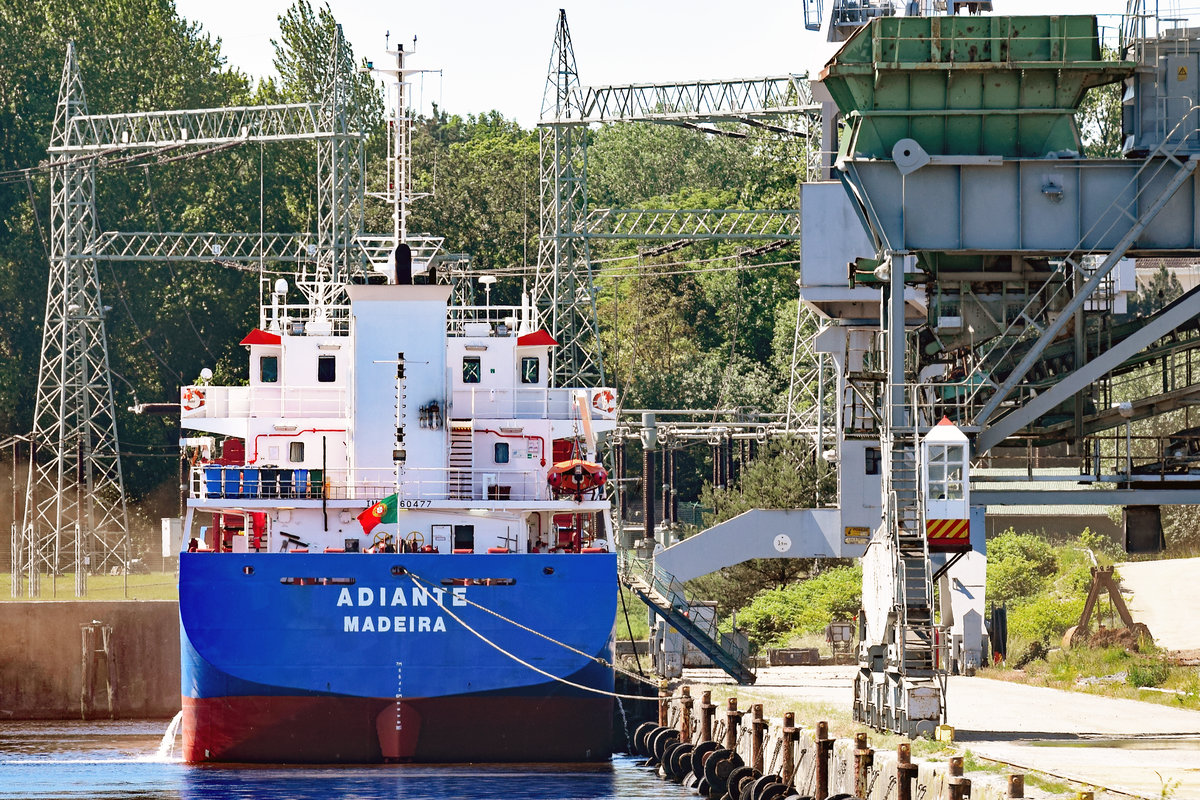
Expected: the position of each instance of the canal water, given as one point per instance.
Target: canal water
(124, 761)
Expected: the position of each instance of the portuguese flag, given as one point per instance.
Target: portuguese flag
(383, 511)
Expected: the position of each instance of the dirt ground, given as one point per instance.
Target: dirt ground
(1165, 596)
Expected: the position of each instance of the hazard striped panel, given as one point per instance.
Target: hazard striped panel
(948, 534)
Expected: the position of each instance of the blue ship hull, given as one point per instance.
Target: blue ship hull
(357, 658)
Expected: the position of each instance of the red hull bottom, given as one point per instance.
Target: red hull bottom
(369, 730)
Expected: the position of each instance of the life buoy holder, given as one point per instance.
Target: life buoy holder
(193, 398)
(604, 401)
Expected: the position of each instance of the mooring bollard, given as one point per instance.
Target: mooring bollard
(733, 718)
(685, 714)
(707, 710)
(824, 754)
(864, 757)
(1016, 786)
(906, 772)
(959, 787)
(758, 727)
(664, 700)
(787, 773)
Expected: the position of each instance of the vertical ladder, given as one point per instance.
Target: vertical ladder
(462, 460)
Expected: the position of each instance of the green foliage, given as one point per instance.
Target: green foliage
(632, 623)
(1044, 617)
(776, 615)
(1019, 566)
(1162, 289)
(1099, 117)
(784, 476)
(482, 176)
(1147, 672)
(1101, 545)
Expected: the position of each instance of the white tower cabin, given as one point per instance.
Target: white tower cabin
(945, 462)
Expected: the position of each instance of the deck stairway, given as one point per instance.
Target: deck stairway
(665, 597)
(462, 459)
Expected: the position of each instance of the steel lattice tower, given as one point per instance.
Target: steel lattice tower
(564, 288)
(75, 500)
(340, 180)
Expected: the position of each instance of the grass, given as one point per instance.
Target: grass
(1111, 672)
(156, 586)
(972, 763)
(639, 621)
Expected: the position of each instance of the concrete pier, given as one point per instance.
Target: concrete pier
(90, 660)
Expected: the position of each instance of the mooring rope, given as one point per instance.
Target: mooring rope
(419, 581)
(627, 673)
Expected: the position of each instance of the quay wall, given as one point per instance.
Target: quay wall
(51, 668)
(932, 779)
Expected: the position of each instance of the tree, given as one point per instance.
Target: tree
(1099, 117)
(786, 476)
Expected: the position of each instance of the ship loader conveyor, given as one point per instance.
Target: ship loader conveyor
(664, 596)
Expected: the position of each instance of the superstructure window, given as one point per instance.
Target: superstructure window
(326, 369)
(472, 371)
(874, 459)
(530, 370)
(268, 369)
(296, 452)
(501, 452)
(464, 537)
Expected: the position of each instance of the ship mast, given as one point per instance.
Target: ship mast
(399, 192)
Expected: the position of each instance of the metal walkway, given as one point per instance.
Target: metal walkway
(665, 597)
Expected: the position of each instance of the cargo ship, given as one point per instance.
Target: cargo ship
(394, 535)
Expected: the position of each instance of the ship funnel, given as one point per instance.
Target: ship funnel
(404, 264)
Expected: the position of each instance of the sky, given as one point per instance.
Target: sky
(493, 54)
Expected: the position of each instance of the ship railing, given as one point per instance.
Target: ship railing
(473, 484)
(223, 402)
(302, 319)
(486, 320)
(254, 482)
(531, 403)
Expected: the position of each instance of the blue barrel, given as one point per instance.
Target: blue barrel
(212, 481)
(233, 481)
(249, 482)
(302, 483)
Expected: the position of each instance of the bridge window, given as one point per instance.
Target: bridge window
(472, 372)
(946, 472)
(268, 369)
(326, 369)
(530, 370)
(296, 452)
(874, 460)
(501, 452)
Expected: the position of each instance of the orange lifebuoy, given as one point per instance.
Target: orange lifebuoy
(193, 398)
(604, 401)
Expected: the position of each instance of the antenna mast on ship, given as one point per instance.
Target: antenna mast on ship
(399, 192)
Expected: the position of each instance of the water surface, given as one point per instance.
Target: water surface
(122, 761)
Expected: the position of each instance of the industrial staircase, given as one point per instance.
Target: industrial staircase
(915, 643)
(665, 597)
(462, 460)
